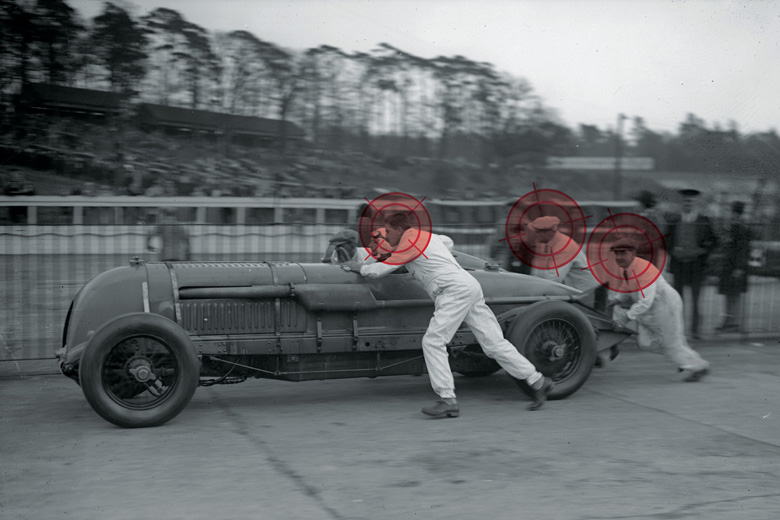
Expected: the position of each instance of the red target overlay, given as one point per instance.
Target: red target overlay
(374, 235)
(650, 251)
(564, 235)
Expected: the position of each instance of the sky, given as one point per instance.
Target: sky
(589, 60)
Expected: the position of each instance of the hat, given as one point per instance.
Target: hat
(623, 244)
(544, 223)
(646, 198)
(345, 236)
(689, 192)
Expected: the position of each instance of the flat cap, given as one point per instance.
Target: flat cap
(544, 223)
(346, 235)
(623, 244)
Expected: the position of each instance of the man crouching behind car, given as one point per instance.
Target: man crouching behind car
(657, 309)
(457, 297)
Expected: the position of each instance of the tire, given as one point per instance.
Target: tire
(139, 370)
(473, 362)
(560, 341)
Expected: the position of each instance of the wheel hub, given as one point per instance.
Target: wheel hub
(141, 369)
(553, 350)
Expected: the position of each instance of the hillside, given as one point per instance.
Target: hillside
(71, 155)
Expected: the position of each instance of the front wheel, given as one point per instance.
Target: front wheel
(559, 340)
(139, 370)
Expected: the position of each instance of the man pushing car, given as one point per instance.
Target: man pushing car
(644, 295)
(457, 298)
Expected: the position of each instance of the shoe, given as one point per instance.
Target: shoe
(697, 375)
(540, 395)
(442, 408)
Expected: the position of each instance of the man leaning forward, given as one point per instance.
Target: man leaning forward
(457, 298)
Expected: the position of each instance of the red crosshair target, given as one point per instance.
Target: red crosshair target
(528, 246)
(373, 233)
(650, 246)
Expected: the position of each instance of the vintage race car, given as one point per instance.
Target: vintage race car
(140, 338)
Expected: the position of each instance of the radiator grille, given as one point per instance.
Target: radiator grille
(240, 317)
(200, 265)
(228, 317)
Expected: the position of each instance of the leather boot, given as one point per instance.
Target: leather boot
(442, 408)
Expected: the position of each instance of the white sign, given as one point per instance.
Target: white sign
(600, 163)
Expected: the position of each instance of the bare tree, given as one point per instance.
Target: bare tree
(183, 61)
(18, 39)
(326, 74)
(119, 44)
(245, 77)
(56, 29)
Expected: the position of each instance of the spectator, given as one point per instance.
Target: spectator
(691, 240)
(155, 190)
(105, 191)
(174, 237)
(89, 189)
(734, 267)
(515, 255)
(650, 209)
(169, 188)
(651, 212)
(15, 187)
(511, 254)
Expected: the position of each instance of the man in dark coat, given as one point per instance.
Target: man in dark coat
(691, 239)
(734, 267)
(174, 237)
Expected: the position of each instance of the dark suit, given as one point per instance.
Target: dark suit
(736, 256)
(688, 265)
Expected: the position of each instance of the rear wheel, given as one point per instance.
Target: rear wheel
(559, 340)
(139, 370)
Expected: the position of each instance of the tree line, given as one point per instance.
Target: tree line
(388, 98)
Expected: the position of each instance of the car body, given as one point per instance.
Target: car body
(140, 338)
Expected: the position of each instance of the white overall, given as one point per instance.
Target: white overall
(658, 310)
(457, 298)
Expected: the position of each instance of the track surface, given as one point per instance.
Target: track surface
(634, 442)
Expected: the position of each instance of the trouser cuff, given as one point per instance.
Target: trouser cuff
(533, 378)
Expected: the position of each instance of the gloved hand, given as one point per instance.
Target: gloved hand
(352, 265)
(620, 318)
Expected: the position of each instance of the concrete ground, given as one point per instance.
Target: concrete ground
(634, 442)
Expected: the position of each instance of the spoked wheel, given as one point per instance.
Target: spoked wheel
(139, 370)
(560, 342)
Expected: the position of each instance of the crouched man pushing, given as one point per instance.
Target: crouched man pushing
(457, 297)
(643, 295)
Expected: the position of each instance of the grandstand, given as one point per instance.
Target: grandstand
(106, 144)
(71, 140)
